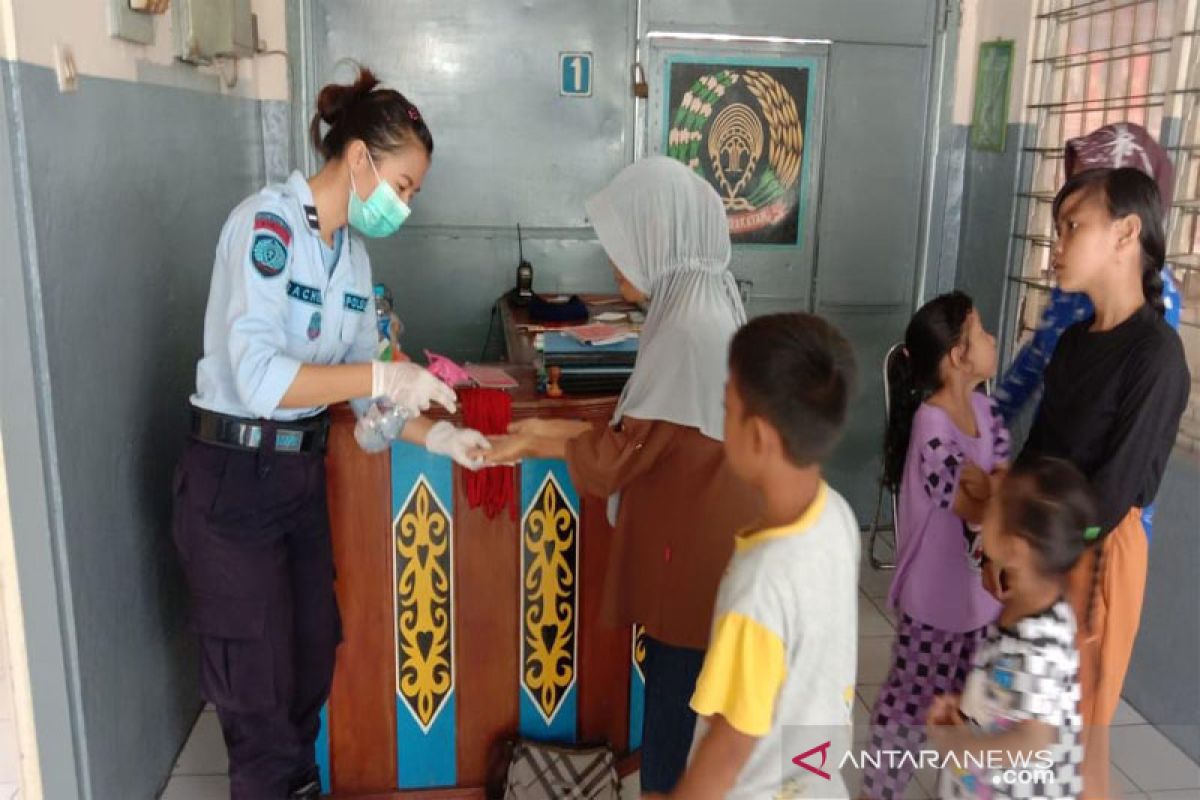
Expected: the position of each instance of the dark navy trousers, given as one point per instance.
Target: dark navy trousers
(669, 724)
(252, 528)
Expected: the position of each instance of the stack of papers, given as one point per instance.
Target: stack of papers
(491, 377)
(599, 334)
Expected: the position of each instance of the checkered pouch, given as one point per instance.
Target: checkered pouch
(540, 771)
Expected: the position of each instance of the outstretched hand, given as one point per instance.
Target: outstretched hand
(529, 427)
(506, 450)
(549, 428)
(465, 446)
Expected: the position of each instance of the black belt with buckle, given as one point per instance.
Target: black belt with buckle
(298, 436)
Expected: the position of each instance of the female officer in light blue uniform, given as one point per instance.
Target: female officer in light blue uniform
(290, 329)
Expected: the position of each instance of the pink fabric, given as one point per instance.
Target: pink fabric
(1123, 144)
(446, 370)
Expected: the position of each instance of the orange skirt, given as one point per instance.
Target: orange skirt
(1106, 638)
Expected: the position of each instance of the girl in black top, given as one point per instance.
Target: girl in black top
(1114, 392)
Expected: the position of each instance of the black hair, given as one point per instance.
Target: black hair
(1129, 191)
(797, 372)
(914, 373)
(1050, 504)
(383, 119)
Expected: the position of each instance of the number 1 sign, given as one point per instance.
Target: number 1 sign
(575, 74)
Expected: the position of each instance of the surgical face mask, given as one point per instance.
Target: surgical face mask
(379, 215)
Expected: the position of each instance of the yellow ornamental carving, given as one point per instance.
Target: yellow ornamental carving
(550, 539)
(735, 144)
(639, 648)
(422, 565)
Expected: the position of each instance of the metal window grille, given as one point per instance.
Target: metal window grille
(1097, 62)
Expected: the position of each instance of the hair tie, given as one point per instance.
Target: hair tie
(1090, 534)
(414, 114)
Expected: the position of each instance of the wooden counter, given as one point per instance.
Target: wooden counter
(462, 632)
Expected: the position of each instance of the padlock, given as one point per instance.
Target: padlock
(641, 89)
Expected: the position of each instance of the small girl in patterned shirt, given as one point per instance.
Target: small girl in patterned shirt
(1016, 730)
(943, 439)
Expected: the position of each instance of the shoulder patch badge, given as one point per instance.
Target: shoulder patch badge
(272, 237)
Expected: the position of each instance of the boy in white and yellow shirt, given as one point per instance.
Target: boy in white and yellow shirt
(783, 649)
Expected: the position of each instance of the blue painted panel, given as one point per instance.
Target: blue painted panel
(549, 547)
(323, 750)
(426, 723)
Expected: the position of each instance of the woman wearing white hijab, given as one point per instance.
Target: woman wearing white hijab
(673, 501)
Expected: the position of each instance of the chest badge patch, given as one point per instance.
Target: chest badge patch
(314, 326)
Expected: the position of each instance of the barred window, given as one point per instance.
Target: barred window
(1096, 62)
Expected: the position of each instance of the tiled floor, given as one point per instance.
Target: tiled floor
(1146, 765)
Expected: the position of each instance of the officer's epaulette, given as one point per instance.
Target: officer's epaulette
(310, 214)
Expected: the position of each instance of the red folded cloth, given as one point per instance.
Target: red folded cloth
(489, 411)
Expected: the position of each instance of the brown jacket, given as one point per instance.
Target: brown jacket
(680, 508)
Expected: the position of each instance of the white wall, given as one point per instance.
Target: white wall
(18, 746)
(8, 47)
(30, 29)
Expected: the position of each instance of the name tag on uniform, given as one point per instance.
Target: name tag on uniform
(356, 303)
(305, 294)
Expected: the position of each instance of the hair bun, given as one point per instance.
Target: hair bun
(336, 98)
(363, 110)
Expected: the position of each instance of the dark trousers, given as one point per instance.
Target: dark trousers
(669, 723)
(252, 529)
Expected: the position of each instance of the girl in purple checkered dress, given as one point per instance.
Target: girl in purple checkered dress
(944, 438)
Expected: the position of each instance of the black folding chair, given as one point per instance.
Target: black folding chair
(878, 525)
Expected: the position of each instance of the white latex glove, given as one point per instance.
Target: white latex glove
(446, 440)
(409, 386)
